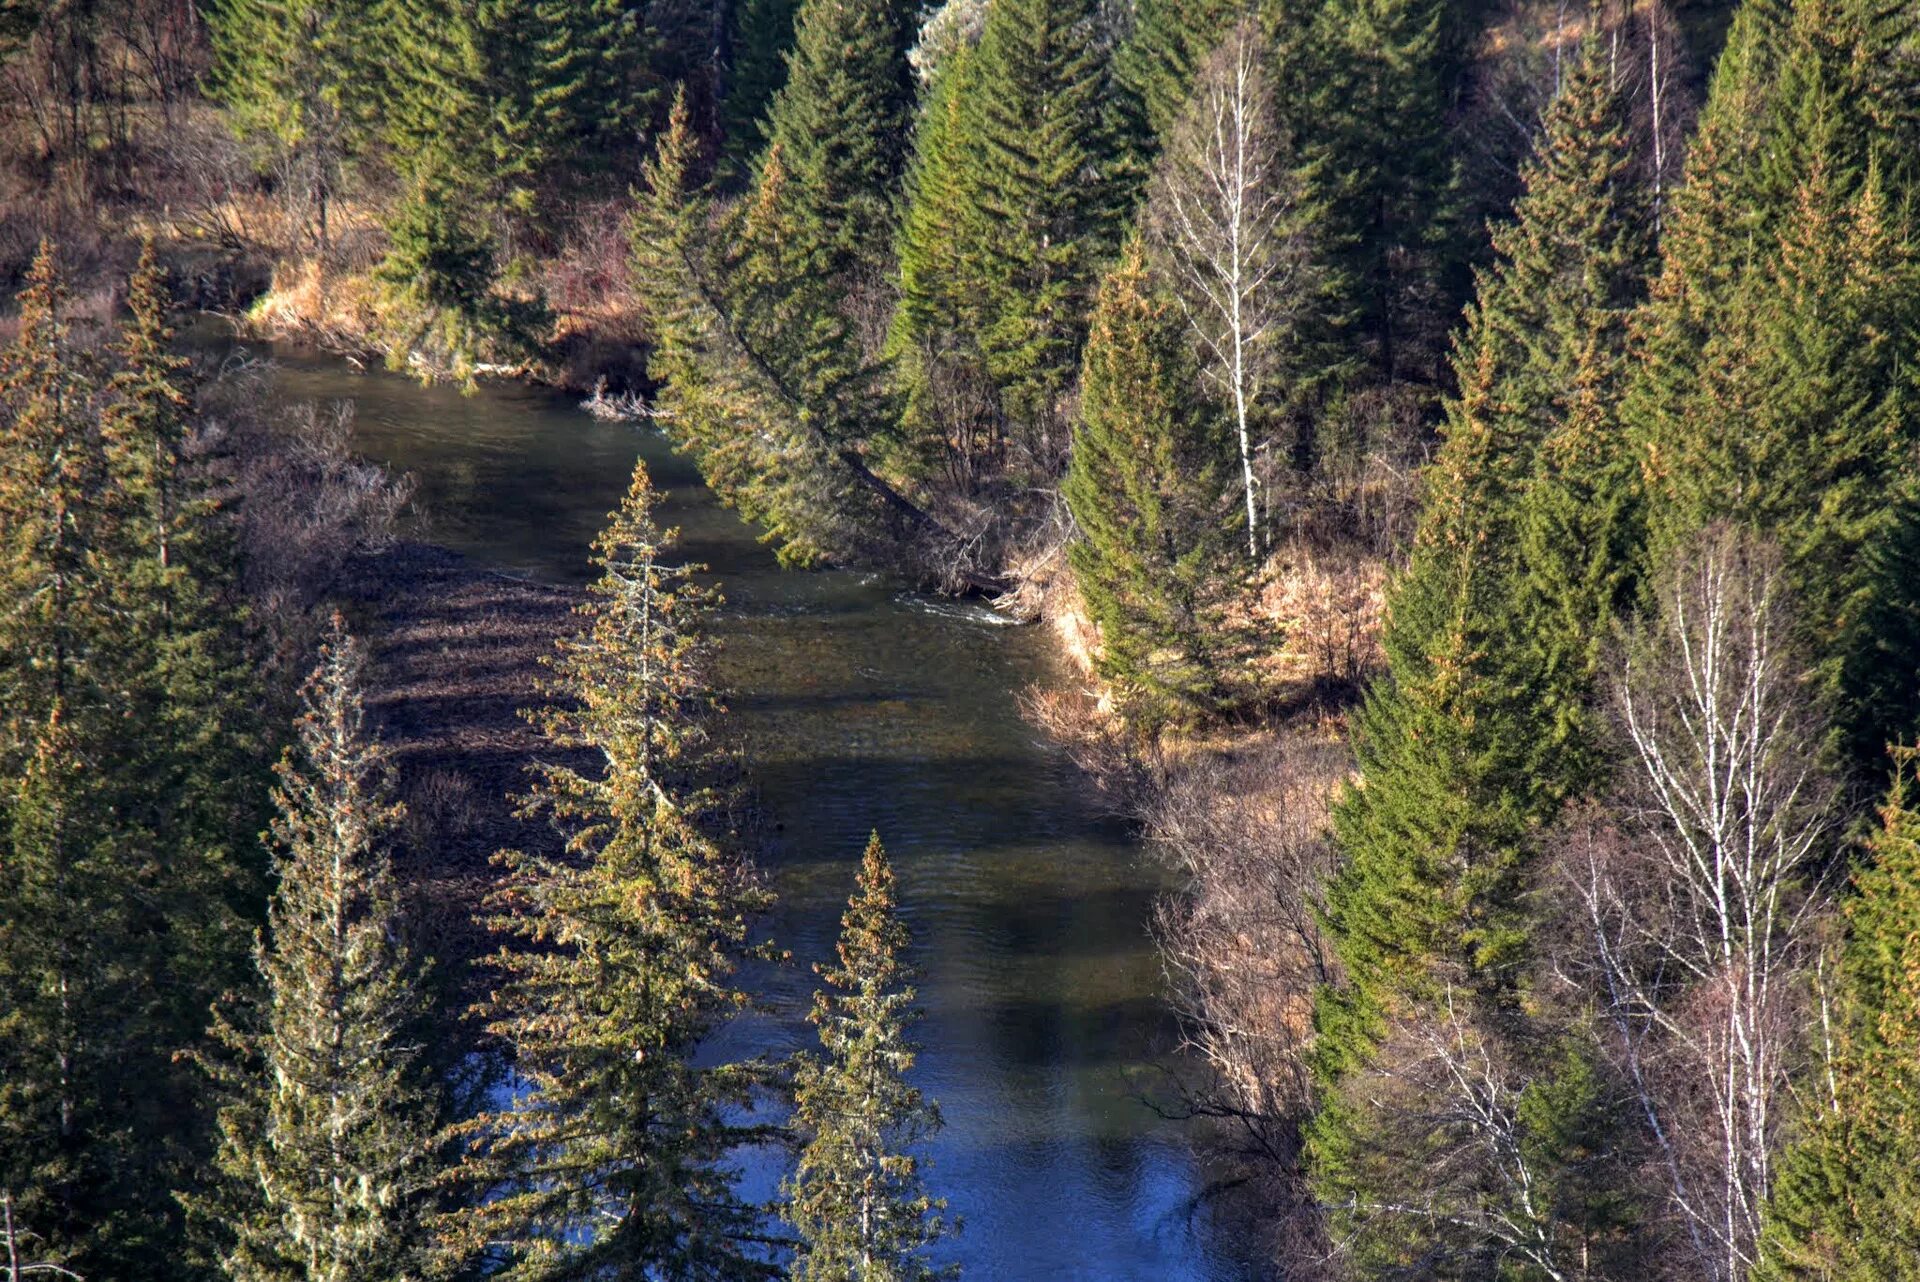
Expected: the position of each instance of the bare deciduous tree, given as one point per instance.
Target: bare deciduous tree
(1226, 213)
(1694, 888)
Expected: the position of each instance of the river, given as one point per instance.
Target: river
(866, 706)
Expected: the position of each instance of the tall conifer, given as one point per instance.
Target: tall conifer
(857, 1198)
(839, 129)
(612, 1160)
(1846, 1204)
(1472, 741)
(1146, 486)
(329, 1139)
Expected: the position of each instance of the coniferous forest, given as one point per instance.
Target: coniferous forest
(1463, 454)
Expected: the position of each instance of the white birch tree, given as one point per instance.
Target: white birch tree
(1227, 214)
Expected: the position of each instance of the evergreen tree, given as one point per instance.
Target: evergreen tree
(611, 1161)
(1160, 60)
(765, 386)
(329, 1136)
(1776, 386)
(1378, 161)
(129, 790)
(1846, 1204)
(838, 128)
(856, 1198)
(947, 416)
(1478, 733)
(1154, 561)
(297, 72)
(760, 35)
(1039, 211)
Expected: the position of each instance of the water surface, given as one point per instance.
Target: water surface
(866, 706)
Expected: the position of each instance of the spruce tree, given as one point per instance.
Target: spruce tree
(947, 415)
(1378, 160)
(857, 1198)
(1478, 732)
(1846, 1204)
(329, 1135)
(611, 1162)
(1154, 561)
(130, 795)
(1778, 342)
(1161, 57)
(765, 385)
(839, 129)
(1040, 213)
(298, 72)
(759, 35)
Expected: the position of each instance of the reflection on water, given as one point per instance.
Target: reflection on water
(868, 707)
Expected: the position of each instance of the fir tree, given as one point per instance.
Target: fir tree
(611, 1162)
(297, 72)
(1161, 57)
(1154, 561)
(947, 416)
(1845, 1206)
(1040, 212)
(760, 36)
(1478, 733)
(1378, 161)
(125, 744)
(766, 386)
(857, 1199)
(1774, 387)
(329, 1138)
(838, 127)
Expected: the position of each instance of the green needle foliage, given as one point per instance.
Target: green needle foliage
(330, 1140)
(1147, 486)
(1846, 1205)
(857, 1198)
(127, 787)
(761, 380)
(1483, 728)
(610, 1163)
(760, 35)
(839, 130)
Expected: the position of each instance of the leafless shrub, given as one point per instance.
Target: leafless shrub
(302, 504)
(1247, 833)
(1695, 894)
(1329, 606)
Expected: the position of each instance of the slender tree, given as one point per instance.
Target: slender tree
(1145, 488)
(329, 1139)
(612, 1160)
(1226, 213)
(857, 1199)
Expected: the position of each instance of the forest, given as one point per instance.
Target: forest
(1464, 453)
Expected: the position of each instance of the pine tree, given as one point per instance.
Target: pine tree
(329, 1136)
(839, 129)
(1154, 561)
(611, 1162)
(1846, 1204)
(857, 1199)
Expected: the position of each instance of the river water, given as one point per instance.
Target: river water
(865, 706)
